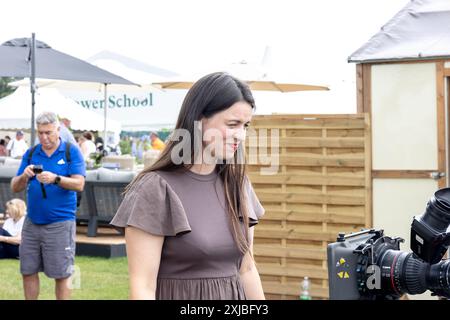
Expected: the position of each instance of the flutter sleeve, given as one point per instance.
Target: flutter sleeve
(255, 209)
(152, 206)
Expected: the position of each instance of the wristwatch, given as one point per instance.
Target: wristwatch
(57, 180)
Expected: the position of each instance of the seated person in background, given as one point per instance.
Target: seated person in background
(10, 234)
(3, 151)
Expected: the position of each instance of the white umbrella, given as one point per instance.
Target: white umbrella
(262, 85)
(254, 75)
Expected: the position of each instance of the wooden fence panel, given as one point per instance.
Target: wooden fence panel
(322, 186)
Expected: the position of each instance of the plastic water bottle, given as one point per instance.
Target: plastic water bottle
(305, 294)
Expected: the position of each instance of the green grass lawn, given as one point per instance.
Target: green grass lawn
(105, 279)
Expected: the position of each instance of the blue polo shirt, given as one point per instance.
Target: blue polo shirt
(60, 204)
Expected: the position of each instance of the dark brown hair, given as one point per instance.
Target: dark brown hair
(88, 135)
(210, 95)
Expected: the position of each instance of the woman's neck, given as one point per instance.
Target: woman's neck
(202, 168)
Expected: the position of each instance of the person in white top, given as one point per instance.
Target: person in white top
(11, 232)
(17, 146)
(86, 144)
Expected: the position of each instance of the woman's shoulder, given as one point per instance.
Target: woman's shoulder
(153, 180)
(153, 206)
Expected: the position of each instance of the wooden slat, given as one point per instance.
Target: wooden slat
(359, 88)
(401, 174)
(301, 253)
(368, 172)
(440, 105)
(290, 197)
(290, 215)
(367, 84)
(294, 142)
(292, 234)
(312, 115)
(306, 123)
(290, 179)
(293, 289)
(448, 121)
(314, 160)
(316, 273)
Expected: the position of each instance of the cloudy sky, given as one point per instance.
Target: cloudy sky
(309, 41)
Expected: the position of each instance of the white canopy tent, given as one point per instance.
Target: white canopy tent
(15, 111)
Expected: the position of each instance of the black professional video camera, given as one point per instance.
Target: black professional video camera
(370, 265)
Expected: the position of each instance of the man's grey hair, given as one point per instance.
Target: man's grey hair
(47, 118)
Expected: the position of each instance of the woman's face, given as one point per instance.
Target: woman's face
(225, 131)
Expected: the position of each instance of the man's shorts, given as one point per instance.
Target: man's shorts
(49, 248)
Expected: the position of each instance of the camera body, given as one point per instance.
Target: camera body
(370, 265)
(38, 168)
(342, 265)
(365, 265)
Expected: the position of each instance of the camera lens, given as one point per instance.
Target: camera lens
(414, 276)
(406, 274)
(437, 213)
(401, 272)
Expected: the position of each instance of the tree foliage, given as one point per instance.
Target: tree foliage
(4, 88)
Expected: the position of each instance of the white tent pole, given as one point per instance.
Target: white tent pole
(105, 114)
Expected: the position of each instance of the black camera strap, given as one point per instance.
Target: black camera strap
(44, 193)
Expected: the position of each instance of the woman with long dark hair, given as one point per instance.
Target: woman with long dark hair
(188, 218)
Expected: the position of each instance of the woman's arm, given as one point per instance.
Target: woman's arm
(11, 240)
(249, 274)
(144, 256)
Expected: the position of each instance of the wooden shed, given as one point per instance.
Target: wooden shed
(403, 84)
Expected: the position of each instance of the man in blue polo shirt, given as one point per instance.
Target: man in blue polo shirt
(52, 172)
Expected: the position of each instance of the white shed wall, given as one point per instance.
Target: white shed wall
(404, 126)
